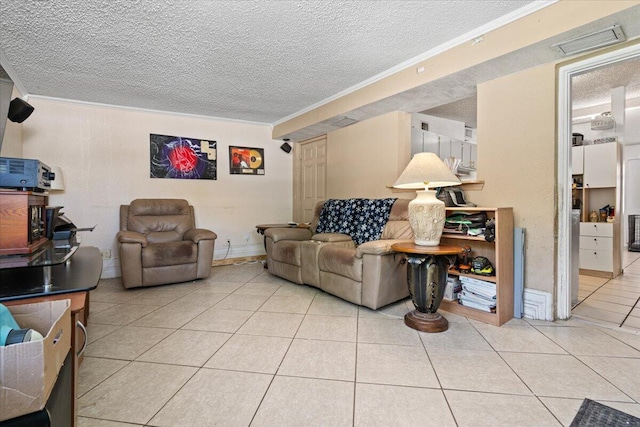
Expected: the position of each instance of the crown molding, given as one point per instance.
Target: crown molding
(146, 110)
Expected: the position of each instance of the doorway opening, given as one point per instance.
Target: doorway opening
(564, 169)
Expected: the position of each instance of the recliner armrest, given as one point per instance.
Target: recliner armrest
(197, 234)
(277, 234)
(377, 247)
(132, 237)
(331, 237)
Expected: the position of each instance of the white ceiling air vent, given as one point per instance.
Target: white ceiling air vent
(602, 38)
(342, 121)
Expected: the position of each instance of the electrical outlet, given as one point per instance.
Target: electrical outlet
(229, 242)
(106, 253)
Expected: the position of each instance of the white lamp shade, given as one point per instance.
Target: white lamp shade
(426, 170)
(57, 183)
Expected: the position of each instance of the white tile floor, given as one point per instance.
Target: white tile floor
(246, 348)
(612, 302)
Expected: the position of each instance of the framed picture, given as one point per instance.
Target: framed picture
(180, 157)
(246, 160)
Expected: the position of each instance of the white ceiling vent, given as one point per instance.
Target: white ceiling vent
(602, 38)
(342, 121)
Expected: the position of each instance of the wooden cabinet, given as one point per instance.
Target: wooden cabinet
(500, 253)
(600, 165)
(600, 249)
(577, 160)
(444, 137)
(597, 169)
(22, 221)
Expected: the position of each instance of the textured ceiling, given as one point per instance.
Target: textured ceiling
(594, 87)
(257, 61)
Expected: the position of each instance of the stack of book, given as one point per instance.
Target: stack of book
(453, 288)
(478, 294)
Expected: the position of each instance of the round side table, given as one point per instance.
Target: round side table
(427, 279)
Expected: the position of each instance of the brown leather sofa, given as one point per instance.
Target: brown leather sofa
(369, 274)
(159, 244)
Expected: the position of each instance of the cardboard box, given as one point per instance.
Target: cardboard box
(28, 371)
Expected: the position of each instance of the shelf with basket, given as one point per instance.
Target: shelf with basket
(499, 251)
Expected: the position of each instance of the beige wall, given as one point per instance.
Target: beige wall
(516, 159)
(366, 157)
(104, 155)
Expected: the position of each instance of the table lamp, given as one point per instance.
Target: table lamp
(426, 213)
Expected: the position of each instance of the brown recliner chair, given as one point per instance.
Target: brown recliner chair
(159, 244)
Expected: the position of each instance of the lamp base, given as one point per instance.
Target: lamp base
(426, 216)
(426, 322)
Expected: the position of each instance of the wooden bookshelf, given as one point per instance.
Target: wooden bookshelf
(500, 253)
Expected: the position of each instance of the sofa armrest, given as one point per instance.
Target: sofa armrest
(197, 234)
(331, 237)
(277, 234)
(131, 237)
(377, 247)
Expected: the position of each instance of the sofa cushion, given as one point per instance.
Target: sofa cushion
(169, 253)
(341, 261)
(398, 226)
(362, 219)
(331, 237)
(168, 219)
(287, 251)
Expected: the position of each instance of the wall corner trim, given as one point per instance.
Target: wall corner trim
(538, 305)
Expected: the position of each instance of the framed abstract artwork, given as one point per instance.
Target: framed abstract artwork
(246, 160)
(180, 157)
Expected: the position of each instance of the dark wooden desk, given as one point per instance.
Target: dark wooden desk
(80, 273)
(427, 278)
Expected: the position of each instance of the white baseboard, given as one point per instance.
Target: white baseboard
(239, 251)
(538, 305)
(110, 268)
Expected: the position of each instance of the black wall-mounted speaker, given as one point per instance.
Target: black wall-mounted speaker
(286, 147)
(19, 110)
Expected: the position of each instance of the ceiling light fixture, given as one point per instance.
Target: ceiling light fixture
(606, 37)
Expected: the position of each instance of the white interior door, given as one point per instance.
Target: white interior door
(311, 177)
